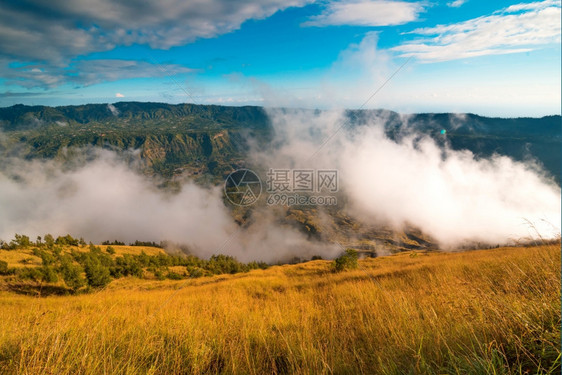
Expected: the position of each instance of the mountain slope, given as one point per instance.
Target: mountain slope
(212, 139)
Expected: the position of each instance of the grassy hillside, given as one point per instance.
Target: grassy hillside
(68, 266)
(27, 258)
(488, 311)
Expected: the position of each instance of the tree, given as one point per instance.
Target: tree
(127, 265)
(49, 240)
(347, 260)
(46, 258)
(195, 272)
(174, 275)
(95, 249)
(29, 273)
(67, 240)
(22, 241)
(72, 275)
(219, 264)
(48, 274)
(97, 274)
(4, 270)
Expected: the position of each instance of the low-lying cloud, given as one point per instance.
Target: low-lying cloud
(450, 195)
(105, 199)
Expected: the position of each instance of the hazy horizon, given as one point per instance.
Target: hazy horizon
(274, 107)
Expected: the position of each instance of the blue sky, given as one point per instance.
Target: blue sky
(498, 58)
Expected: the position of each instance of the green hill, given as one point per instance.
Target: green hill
(212, 140)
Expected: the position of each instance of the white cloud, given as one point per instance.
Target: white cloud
(456, 3)
(80, 27)
(451, 195)
(89, 72)
(85, 72)
(367, 13)
(360, 70)
(27, 34)
(114, 111)
(119, 95)
(106, 198)
(501, 33)
(533, 6)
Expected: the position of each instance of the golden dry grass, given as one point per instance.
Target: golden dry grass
(120, 250)
(20, 258)
(493, 311)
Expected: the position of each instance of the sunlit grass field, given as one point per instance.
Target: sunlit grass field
(478, 312)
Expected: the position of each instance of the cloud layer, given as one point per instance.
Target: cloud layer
(39, 43)
(450, 195)
(519, 28)
(86, 72)
(105, 199)
(34, 31)
(367, 13)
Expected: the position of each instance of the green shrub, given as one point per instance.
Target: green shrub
(67, 240)
(159, 274)
(95, 249)
(346, 261)
(49, 240)
(72, 275)
(174, 275)
(4, 270)
(22, 241)
(97, 274)
(46, 258)
(48, 274)
(57, 250)
(127, 265)
(257, 265)
(28, 273)
(195, 272)
(219, 264)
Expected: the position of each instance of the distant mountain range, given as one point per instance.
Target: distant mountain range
(211, 140)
